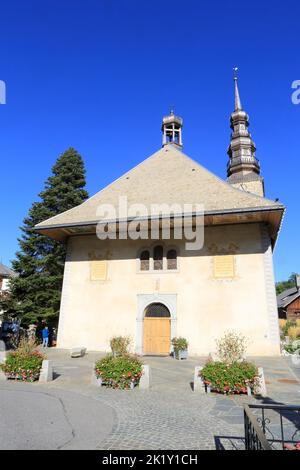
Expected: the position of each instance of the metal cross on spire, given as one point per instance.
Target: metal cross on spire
(237, 100)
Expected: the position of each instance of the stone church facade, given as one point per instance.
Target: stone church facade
(156, 289)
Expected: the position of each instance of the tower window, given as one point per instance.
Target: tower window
(145, 260)
(172, 259)
(158, 257)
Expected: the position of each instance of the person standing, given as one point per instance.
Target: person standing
(45, 334)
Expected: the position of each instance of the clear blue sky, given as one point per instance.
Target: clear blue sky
(99, 75)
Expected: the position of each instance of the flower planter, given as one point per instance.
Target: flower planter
(180, 354)
(99, 382)
(123, 372)
(230, 379)
(26, 376)
(295, 360)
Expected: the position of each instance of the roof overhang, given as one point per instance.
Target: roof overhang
(272, 216)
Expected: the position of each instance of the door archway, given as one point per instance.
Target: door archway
(157, 329)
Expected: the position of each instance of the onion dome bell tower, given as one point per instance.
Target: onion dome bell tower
(243, 169)
(172, 130)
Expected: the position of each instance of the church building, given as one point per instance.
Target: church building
(152, 288)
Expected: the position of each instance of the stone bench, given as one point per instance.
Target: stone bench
(77, 352)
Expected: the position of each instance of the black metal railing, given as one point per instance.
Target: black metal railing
(271, 427)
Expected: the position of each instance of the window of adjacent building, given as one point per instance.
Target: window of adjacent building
(172, 259)
(145, 260)
(158, 254)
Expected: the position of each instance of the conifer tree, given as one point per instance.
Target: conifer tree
(36, 292)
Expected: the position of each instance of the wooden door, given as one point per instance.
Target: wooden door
(157, 334)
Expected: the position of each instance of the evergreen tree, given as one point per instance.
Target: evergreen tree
(36, 292)
(283, 285)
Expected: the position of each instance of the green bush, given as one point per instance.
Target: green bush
(293, 347)
(119, 372)
(23, 366)
(230, 378)
(179, 344)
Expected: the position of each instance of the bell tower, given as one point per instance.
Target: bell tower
(243, 168)
(172, 130)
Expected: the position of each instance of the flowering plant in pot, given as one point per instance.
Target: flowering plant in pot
(122, 372)
(231, 374)
(180, 347)
(25, 363)
(234, 378)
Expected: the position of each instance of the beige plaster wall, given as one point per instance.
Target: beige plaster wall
(93, 311)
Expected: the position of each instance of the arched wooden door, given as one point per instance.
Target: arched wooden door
(157, 330)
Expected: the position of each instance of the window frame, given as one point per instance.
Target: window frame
(150, 249)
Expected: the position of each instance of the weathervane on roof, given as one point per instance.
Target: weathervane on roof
(172, 109)
(235, 73)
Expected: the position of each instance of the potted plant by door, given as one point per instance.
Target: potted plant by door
(180, 348)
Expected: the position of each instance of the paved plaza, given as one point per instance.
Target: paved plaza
(70, 413)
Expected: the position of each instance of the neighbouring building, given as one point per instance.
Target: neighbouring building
(288, 302)
(156, 289)
(5, 275)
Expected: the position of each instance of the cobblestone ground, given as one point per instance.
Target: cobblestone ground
(177, 420)
(170, 415)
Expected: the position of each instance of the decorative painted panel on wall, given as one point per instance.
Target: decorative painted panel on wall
(98, 265)
(98, 270)
(223, 260)
(224, 266)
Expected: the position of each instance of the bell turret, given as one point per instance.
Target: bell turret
(172, 130)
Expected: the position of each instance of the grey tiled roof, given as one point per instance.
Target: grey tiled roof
(171, 177)
(6, 272)
(287, 296)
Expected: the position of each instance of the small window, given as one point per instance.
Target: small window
(172, 259)
(158, 257)
(145, 260)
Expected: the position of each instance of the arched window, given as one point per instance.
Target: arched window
(145, 260)
(158, 253)
(172, 259)
(157, 310)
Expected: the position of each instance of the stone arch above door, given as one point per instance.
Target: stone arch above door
(143, 300)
